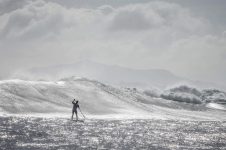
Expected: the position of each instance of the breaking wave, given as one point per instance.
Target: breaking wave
(105, 101)
(184, 93)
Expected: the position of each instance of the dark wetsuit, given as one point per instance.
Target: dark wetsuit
(75, 107)
(74, 110)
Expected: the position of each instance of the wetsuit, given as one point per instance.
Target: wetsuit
(74, 110)
(75, 107)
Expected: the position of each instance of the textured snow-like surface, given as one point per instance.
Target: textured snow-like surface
(97, 100)
(52, 133)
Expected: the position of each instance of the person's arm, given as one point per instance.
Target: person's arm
(73, 102)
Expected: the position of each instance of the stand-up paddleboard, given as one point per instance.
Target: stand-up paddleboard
(78, 120)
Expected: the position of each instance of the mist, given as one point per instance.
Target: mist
(173, 36)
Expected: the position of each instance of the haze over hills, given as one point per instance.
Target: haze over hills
(113, 75)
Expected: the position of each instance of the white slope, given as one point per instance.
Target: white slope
(96, 100)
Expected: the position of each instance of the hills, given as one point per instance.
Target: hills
(113, 75)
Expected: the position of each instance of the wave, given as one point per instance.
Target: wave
(214, 95)
(185, 93)
(96, 98)
(101, 100)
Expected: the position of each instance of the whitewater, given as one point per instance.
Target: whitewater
(102, 101)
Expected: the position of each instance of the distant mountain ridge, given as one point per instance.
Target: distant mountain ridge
(114, 75)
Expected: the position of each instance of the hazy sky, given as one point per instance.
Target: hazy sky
(187, 37)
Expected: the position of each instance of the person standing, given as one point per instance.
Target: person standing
(74, 110)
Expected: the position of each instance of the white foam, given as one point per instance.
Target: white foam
(44, 98)
(215, 106)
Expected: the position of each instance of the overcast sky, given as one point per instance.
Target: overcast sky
(186, 37)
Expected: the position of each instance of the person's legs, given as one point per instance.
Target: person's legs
(72, 114)
(76, 115)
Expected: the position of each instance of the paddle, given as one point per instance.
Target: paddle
(82, 114)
